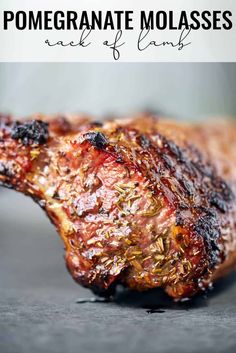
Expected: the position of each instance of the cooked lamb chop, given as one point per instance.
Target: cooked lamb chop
(145, 201)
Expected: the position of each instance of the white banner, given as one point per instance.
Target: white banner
(118, 31)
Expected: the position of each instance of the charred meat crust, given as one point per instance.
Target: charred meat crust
(97, 139)
(198, 177)
(30, 132)
(5, 171)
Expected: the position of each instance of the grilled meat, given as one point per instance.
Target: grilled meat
(145, 202)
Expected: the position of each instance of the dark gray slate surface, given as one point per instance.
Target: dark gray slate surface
(39, 313)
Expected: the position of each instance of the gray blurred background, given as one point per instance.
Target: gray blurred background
(38, 310)
(180, 90)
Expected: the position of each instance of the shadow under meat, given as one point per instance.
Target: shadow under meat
(156, 301)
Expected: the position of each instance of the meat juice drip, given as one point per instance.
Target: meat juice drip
(154, 311)
(93, 300)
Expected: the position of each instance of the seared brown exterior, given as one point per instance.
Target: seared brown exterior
(146, 202)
